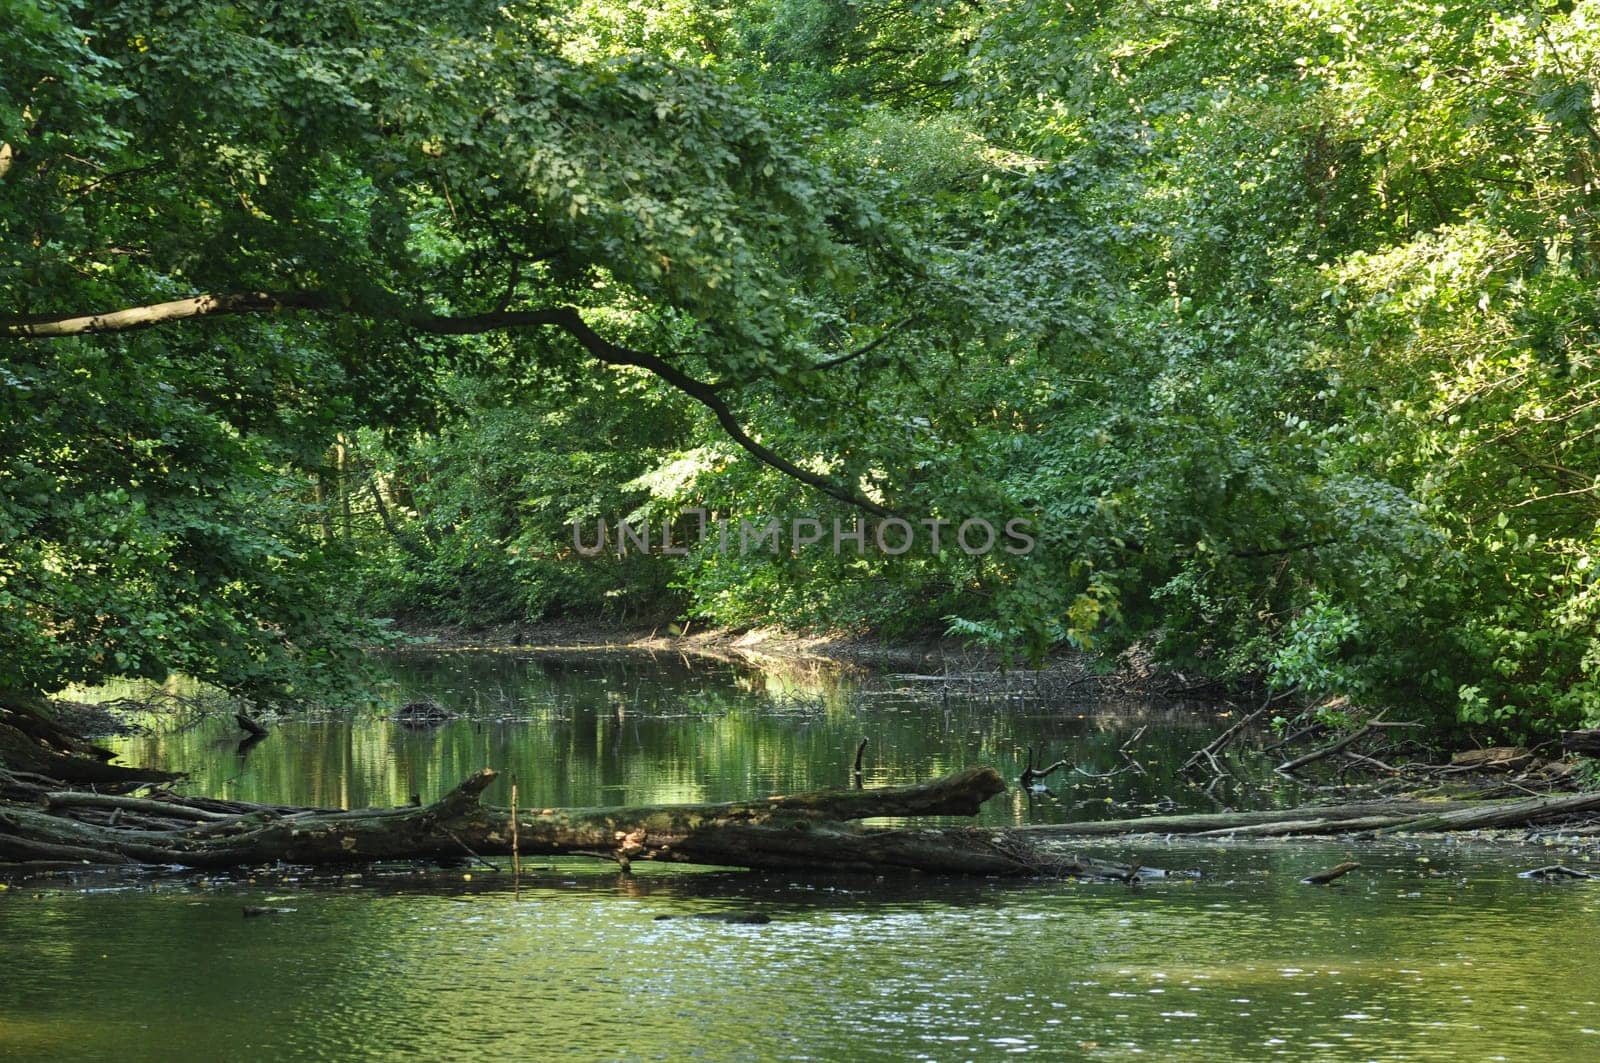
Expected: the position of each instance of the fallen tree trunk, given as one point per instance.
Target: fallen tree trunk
(1491, 814)
(249, 725)
(1586, 742)
(812, 831)
(33, 747)
(1400, 816)
(1219, 822)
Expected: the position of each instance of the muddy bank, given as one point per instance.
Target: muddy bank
(578, 636)
(927, 657)
(92, 721)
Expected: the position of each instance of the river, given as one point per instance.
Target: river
(1432, 951)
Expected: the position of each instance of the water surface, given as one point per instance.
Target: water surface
(1430, 952)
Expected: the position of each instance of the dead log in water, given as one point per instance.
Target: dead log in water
(1487, 815)
(1197, 823)
(812, 831)
(816, 832)
(1398, 816)
(1333, 874)
(33, 745)
(249, 725)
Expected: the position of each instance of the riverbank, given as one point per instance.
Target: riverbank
(777, 643)
(1331, 745)
(1241, 745)
(628, 725)
(927, 656)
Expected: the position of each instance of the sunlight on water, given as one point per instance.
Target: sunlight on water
(1427, 953)
(636, 729)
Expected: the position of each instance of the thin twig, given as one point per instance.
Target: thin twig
(1329, 750)
(475, 856)
(516, 852)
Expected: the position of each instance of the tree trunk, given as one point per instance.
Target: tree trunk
(341, 454)
(814, 832)
(1585, 742)
(1398, 816)
(1221, 822)
(319, 485)
(31, 743)
(804, 830)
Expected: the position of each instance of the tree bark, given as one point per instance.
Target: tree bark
(707, 393)
(1322, 878)
(815, 832)
(1585, 742)
(31, 743)
(1399, 816)
(811, 830)
(1218, 822)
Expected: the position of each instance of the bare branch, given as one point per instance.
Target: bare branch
(565, 318)
(860, 352)
(142, 317)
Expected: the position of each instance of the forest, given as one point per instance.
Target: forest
(1192, 405)
(1276, 321)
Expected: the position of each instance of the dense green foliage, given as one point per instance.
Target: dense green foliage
(1278, 321)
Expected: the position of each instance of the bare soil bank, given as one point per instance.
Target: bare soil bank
(1131, 674)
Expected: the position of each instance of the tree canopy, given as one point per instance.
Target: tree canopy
(1278, 322)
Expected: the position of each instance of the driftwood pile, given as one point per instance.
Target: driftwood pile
(817, 832)
(814, 831)
(63, 805)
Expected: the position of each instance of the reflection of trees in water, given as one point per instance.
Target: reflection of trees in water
(633, 728)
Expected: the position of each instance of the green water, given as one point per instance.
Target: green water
(1433, 952)
(635, 729)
